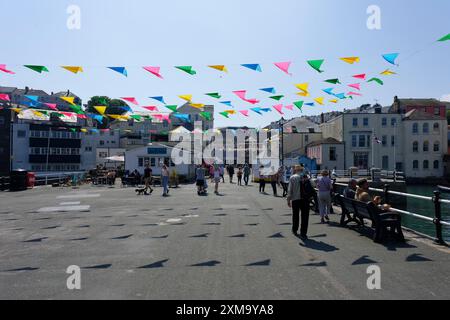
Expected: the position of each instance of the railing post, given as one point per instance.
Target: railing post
(386, 193)
(438, 217)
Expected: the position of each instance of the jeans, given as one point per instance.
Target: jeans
(303, 207)
(165, 184)
(246, 177)
(262, 185)
(324, 203)
(274, 187)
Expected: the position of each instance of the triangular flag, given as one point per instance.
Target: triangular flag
(230, 111)
(68, 99)
(225, 114)
(52, 106)
(289, 107)
(334, 101)
(151, 108)
(33, 98)
(241, 94)
(333, 81)
(354, 94)
(350, 60)
(311, 104)
(316, 64)
(4, 97)
(254, 67)
(205, 115)
(197, 105)
(160, 99)
(244, 112)
(16, 110)
(228, 103)
(257, 110)
(284, 66)
(340, 95)
(319, 100)
(121, 70)
(38, 69)
(4, 69)
(73, 69)
(269, 90)
(187, 97)
(303, 94)
(183, 117)
(299, 104)
(131, 100)
(172, 107)
(219, 67)
(214, 95)
(279, 108)
(329, 91)
(278, 98)
(266, 109)
(360, 76)
(187, 69)
(303, 86)
(100, 109)
(356, 86)
(81, 116)
(445, 38)
(390, 57)
(387, 72)
(377, 80)
(155, 71)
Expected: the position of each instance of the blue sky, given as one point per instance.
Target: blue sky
(138, 33)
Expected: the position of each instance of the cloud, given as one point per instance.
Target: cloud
(445, 97)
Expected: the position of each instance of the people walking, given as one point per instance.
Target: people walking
(299, 195)
(324, 185)
(148, 179)
(239, 176)
(200, 180)
(262, 180)
(217, 178)
(274, 182)
(246, 174)
(284, 176)
(165, 180)
(230, 170)
(222, 174)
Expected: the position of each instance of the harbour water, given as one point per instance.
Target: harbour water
(425, 208)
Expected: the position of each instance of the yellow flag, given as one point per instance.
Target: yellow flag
(303, 87)
(83, 130)
(187, 97)
(334, 101)
(350, 60)
(37, 113)
(319, 100)
(197, 105)
(387, 72)
(303, 94)
(230, 111)
(73, 69)
(100, 109)
(69, 100)
(219, 67)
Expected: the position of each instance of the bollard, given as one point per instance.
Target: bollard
(438, 217)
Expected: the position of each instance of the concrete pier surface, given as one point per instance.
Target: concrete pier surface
(237, 245)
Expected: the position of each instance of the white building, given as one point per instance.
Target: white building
(328, 153)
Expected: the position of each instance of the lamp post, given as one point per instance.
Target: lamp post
(281, 123)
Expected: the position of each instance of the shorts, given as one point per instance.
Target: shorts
(217, 180)
(200, 183)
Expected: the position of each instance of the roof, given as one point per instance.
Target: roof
(324, 141)
(422, 102)
(421, 115)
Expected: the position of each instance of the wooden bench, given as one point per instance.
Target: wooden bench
(357, 211)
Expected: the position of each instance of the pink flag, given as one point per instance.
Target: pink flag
(244, 112)
(166, 117)
(252, 101)
(67, 114)
(289, 107)
(279, 108)
(241, 94)
(52, 106)
(355, 86)
(354, 94)
(131, 100)
(360, 76)
(81, 116)
(284, 66)
(4, 97)
(3, 68)
(154, 70)
(157, 116)
(151, 108)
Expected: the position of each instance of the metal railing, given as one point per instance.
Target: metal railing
(365, 173)
(435, 199)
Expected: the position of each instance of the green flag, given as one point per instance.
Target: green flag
(214, 95)
(299, 104)
(39, 69)
(278, 98)
(446, 38)
(333, 81)
(379, 81)
(205, 115)
(187, 69)
(316, 64)
(173, 108)
(225, 114)
(136, 117)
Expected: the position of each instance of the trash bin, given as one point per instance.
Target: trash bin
(18, 180)
(31, 179)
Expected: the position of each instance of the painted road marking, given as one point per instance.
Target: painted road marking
(70, 203)
(79, 196)
(65, 209)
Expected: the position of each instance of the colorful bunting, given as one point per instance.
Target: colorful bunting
(340, 96)
(254, 67)
(215, 95)
(290, 107)
(319, 100)
(445, 38)
(350, 60)
(160, 99)
(329, 91)
(4, 97)
(68, 99)
(52, 106)
(284, 66)
(225, 114)
(356, 86)
(387, 72)
(244, 112)
(360, 76)
(377, 80)
(187, 69)
(32, 98)
(73, 69)
(4, 69)
(151, 108)
(206, 115)
(279, 108)
(333, 81)
(269, 90)
(334, 101)
(183, 117)
(219, 67)
(38, 69)
(242, 93)
(227, 103)
(173, 108)
(155, 71)
(278, 98)
(197, 105)
(390, 57)
(100, 109)
(316, 64)
(354, 94)
(121, 70)
(131, 100)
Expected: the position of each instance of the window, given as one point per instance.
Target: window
(415, 128)
(111, 133)
(436, 127)
(385, 163)
(426, 146)
(392, 141)
(306, 138)
(384, 122)
(416, 165)
(437, 111)
(21, 133)
(436, 147)
(426, 128)
(102, 143)
(384, 141)
(426, 164)
(333, 156)
(88, 149)
(393, 122)
(415, 146)
(103, 154)
(354, 141)
(362, 141)
(366, 122)
(355, 122)
(152, 162)
(436, 164)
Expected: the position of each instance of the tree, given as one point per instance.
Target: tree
(112, 107)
